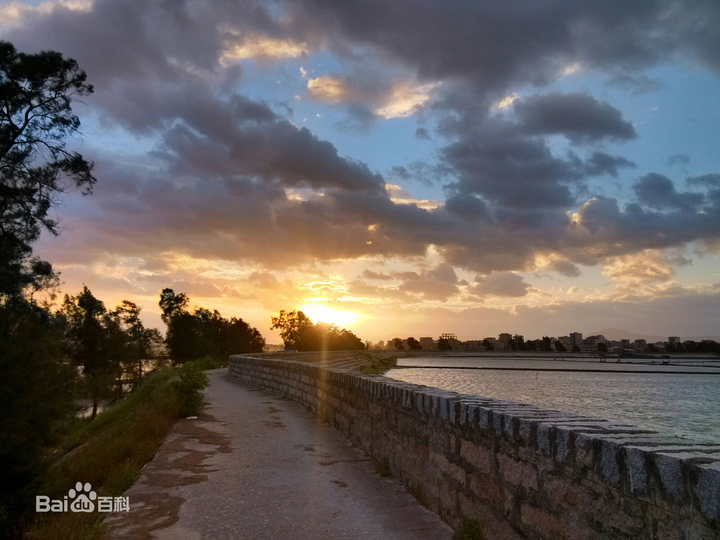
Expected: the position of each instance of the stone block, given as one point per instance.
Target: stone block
(478, 457)
(543, 439)
(562, 444)
(517, 473)
(671, 475)
(487, 490)
(450, 471)
(584, 451)
(610, 458)
(707, 491)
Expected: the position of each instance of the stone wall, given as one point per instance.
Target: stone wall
(521, 471)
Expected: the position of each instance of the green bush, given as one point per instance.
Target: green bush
(471, 530)
(211, 362)
(190, 385)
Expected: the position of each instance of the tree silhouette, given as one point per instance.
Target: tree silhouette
(87, 341)
(36, 93)
(414, 344)
(299, 333)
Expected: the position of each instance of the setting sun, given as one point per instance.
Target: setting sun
(323, 313)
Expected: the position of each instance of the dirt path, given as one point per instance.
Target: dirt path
(256, 466)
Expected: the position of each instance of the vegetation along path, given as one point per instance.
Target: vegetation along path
(253, 465)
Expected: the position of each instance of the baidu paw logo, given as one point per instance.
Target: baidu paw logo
(83, 503)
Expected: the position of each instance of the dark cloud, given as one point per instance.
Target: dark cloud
(566, 268)
(706, 180)
(505, 284)
(500, 162)
(422, 134)
(218, 185)
(439, 283)
(676, 159)
(658, 191)
(578, 116)
(600, 163)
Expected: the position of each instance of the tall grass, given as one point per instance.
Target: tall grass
(110, 451)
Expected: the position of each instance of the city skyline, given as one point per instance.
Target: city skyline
(395, 168)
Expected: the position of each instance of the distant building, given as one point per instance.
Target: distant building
(428, 343)
(452, 340)
(576, 338)
(640, 345)
(674, 340)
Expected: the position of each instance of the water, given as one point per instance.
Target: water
(685, 404)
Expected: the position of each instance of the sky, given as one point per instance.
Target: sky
(402, 168)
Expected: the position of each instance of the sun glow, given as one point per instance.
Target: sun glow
(322, 313)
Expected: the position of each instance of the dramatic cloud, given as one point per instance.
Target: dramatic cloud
(439, 283)
(223, 115)
(658, 191)
(647, 266)
(566, 268)
(579, 117)
(505, 284)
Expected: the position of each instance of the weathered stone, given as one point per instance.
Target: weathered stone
(670, 468)
(708, 490)
(543, 439)
(477, 456)
(637, 469)
(609, 461)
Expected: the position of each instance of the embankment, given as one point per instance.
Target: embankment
(521, 471)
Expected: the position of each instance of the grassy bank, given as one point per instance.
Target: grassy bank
(110, 451)
(377, 365)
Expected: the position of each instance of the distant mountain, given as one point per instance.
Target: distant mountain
(618, 334)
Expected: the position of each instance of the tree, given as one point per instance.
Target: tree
(141, 340)
(36, 93)
(35, 398)
(87, 341)
(238, 337)
(444, 345)
(559, 347)
(299, 333)
(547, 344)
(414, 344)
(293, 326)
(488, 346)
(398, 344)
(203, 332)
(602, 348)
(575, 348)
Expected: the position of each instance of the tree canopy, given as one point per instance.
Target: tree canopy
(36, 119)
(203, 332)
(300, 333)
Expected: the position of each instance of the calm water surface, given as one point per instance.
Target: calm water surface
(676, 404)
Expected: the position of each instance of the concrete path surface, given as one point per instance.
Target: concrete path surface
(256, 466)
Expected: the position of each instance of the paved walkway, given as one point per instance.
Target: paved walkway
(256, 466)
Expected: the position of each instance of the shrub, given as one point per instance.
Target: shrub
(190, 385)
